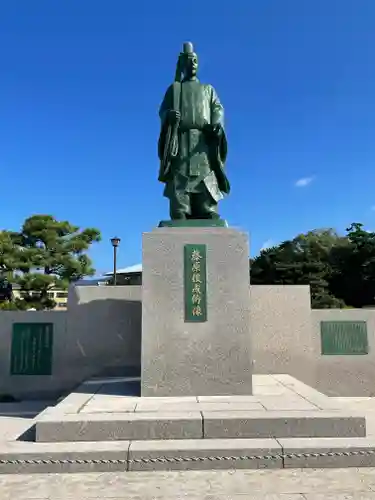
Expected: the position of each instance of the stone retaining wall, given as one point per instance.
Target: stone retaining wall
(100, 334)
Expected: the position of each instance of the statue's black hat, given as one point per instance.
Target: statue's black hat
(188, 50)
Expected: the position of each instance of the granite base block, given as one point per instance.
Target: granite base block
(212, 357)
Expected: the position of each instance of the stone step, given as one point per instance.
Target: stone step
(194, 454)
(54, 427)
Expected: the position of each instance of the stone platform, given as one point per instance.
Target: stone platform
(105, 426)
(280, 408)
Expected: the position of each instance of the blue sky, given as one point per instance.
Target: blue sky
(80, 86)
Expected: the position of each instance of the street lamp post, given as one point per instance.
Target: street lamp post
(115, 243)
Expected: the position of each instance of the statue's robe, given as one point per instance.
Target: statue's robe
(199, 165)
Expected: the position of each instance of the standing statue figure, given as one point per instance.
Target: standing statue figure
(192, 144)
(6, 288)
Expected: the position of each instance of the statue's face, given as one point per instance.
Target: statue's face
(191, 66)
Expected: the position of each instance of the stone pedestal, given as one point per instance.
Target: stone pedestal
(196, 312)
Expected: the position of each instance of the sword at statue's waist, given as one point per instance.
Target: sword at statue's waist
(185, 126)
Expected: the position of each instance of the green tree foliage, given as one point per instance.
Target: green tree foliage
(353, 268)
(46, 253)
(339, 269)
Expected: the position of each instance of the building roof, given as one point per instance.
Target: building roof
(137, 268)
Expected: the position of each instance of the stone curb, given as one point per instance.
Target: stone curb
(52, 427)
(28, 458)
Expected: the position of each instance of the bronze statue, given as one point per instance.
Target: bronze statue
(6, 289)
(192, 144)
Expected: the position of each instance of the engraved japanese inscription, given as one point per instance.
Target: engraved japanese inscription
(195, 272)
(32, 349)
(344, 337)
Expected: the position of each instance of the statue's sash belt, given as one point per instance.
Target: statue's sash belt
(188, 128)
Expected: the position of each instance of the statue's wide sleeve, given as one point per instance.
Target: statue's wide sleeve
(217, 110)
(165, 106)
(217, 118)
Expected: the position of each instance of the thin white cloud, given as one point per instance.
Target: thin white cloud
(304, 181)
(373, 208)
(267, 244)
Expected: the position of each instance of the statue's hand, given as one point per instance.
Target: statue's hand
(174, 116)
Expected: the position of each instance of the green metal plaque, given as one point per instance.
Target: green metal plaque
(344, 337)
(195, 275)
(32, 349)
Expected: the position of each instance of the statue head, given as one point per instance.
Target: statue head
(188, 61)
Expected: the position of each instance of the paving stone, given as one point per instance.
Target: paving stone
(358, 495)
(51, 411)
(167, 399)
(271, 390)
(109, 403)
(155, 406)
(284, 404)
(204, 449)
(145, 406)
(73, 403)
(228, 399)
(363, 404)
(309, 393)
(117, 426)
(296, 385)
(245, 406)
(199, 496)
(219, 425)
(260, 379)
(13, 427)
(114, 406)
(285, 379)
(329, 445)
(266, 484)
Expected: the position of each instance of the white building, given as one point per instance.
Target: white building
(131, 275)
